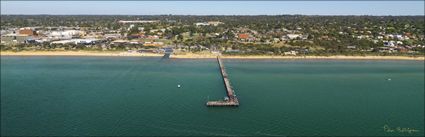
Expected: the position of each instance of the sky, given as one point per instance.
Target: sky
(394, 8)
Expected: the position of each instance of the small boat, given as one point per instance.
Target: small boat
(178, 86)
(389, 79)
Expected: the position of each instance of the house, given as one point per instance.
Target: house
(290, 53)
(386, 50)
(293, 36)
(153, 44)
(243, 36)
(112, 36)
(325, 37)
(351, 47)
(3, 32)
(153, 37)
(135, 42)
(120, 41)
(389, 43)
(402, 49)
(399, 37)
(148, 51)
(389, 36)
(133, 36)
(232, 51)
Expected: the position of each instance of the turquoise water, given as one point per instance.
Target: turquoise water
(135, 96)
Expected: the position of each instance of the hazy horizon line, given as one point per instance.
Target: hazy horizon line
(203, 15)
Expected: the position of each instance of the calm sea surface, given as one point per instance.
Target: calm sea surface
(139, 96)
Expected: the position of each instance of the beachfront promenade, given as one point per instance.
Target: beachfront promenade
(231, 99)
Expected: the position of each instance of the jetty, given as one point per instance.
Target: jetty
(167, 53)
(231, 99)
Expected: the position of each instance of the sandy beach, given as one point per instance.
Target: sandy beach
(196, 56)
(200, 56)
(77, 53)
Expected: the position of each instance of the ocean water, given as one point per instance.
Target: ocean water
(133, 96)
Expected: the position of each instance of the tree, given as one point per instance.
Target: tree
(134, 30)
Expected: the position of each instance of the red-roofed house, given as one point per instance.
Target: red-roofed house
(243, 36)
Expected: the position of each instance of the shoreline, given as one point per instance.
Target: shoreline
(198, 56)
(79, 53)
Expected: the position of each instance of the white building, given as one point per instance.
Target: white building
(112, 36)
(290, 52)
(201, 24)
(66, 34)
(213, 23)
(389, 43)
(75, 41)
(293, 36)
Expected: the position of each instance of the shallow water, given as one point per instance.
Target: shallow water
(136, 96)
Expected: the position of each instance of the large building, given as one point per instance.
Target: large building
(66, 34)
(27, 31)
(213, 23)
(15, 38)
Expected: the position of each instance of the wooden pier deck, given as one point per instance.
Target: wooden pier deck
(232, 99)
